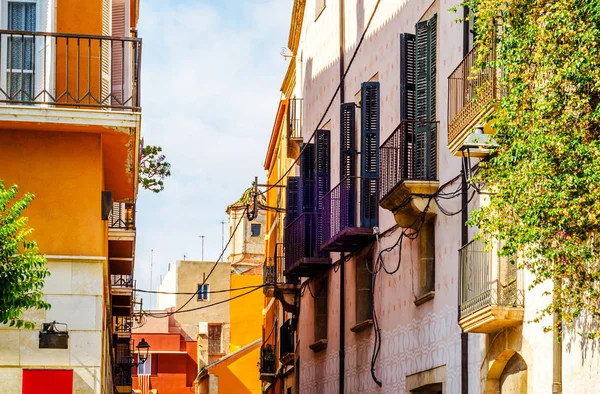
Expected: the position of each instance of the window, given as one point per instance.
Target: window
(319, 7)
(214, 339)
(363, 290)
(21, 52)
(203, 291)
(146, 367)
(321, 315)
(255, 229)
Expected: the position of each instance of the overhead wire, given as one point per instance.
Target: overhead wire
(339, 86)
(167, 314)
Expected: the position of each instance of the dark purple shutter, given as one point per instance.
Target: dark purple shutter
(348, 162)
(370, 153)
(307, 179)
(322, 179)
(407, 100)
(292, 207)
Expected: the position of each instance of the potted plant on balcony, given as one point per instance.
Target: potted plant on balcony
(268, 356)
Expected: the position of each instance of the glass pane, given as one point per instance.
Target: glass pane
(21, 52)
(20, 86)
(21, 16)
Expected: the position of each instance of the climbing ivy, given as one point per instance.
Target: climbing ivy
(546, 173)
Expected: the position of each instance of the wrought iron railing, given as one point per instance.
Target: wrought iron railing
(123, 324)
(122, 216)
(122, 365)
(269, 272)
(470, 91)
(267, 359)
(286, 338)
(214, 346)
(78, 70)
(354, 202)
(301, 239)
(398, 158)
(295, 106)
(121, 281)
(487, 279)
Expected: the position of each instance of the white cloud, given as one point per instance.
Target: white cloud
(211, 73)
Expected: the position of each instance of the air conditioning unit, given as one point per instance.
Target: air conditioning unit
(203, 328)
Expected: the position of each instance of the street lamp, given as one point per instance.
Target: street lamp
(143, 349)
(478, 144)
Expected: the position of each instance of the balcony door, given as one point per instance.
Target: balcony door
(25, 59)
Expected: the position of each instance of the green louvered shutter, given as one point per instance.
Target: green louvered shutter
(348, 161)
(425, 164)
(407, 100)
(369, 153)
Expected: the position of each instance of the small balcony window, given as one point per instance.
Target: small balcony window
(255, 230)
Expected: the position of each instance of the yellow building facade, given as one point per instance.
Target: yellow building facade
(70, 134)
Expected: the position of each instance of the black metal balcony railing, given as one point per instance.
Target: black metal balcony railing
(267, 359)
(487, 280)
(302, 240)
(269, 272)
(123, 363)
(122, 216)
(214, 346)
(123, 324)
(121, 281)
(286, 339)
(353, 203)
(295, 118)
(70, 70)
(398, 157)
(469, 93)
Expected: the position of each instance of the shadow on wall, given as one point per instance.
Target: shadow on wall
(585, 326)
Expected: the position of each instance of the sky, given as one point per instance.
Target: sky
(211, 77)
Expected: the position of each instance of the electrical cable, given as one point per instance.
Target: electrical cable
(167, 314)
(358, 45)
(208, 292)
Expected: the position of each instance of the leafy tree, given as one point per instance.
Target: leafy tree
(22, 267)
(546, 173)
(153, 169)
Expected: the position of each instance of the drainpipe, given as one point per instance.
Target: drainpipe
(464, 337)
(342, 270)
(464, 239)
(557, 348)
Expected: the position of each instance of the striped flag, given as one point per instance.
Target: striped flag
(144, 383)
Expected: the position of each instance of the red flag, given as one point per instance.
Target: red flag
(144, 382)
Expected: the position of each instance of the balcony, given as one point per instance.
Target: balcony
(122, 326)
(409, 173)
(121, 285)
(294, 126)
(121, 222)
(491, 290)
(350, 212)
(471, 98)
(303, 257)
(267, 363)
(269, 278)
(122, 369)
(70, 70)
(286, 343)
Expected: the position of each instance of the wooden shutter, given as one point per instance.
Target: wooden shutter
(154, 365)
(121, 54)
(407, 76)
(105, 51)
(425, 166)
(347, 141)
(369, 153)
(348, 158)
(307, 178)
(322, 176)
(320, 309)
(292, 207)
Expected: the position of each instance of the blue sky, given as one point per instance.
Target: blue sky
(211, 73)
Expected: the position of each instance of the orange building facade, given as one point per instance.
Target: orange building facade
(70, 134)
